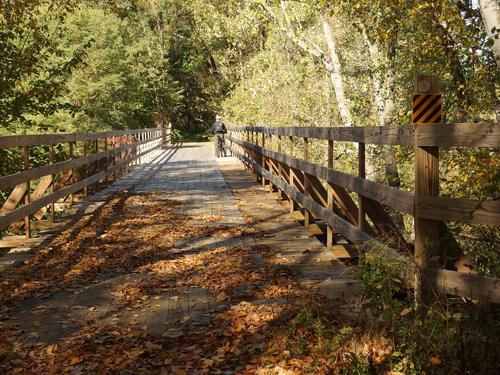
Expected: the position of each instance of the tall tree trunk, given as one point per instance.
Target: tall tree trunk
(384, 103)
(330, 61)
(490, 13)
(336, 73)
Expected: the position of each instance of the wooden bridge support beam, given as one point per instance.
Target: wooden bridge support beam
(52, 186)
(426, 231)
(97, 164)
(426, 185)
(280, 169)
(329, 229)
(270, 164)
(262, 157)
(362, 174)
(72, 181)
(106, 181)
(86, 172)
(307, 214)
(292, 177)
(27, 197)
(361, 203)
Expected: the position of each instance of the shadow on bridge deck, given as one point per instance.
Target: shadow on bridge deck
(140, 256)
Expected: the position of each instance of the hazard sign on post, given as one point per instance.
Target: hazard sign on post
(426, 108)
(426, 102)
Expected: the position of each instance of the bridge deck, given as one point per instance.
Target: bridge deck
(215, 204)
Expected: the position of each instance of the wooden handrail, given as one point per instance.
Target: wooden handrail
(444, 135)
(392, 197)
(273, 167)
(139, 143)
(32, 207)
(32, 174)
(11, 141)
(391, 135)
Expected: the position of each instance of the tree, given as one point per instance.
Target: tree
(490, 13)
(31, 77)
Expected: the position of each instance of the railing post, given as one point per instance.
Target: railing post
(52, 205)
(270, 163)
(362, 174)
(107, 160)
(426, 184)
(113, 146)
(127, 154)
(280, 169)
(27, 198)
(307, 214)
(98, 163)
(361, 206)
(329, 229)
(292, 176)
(262, 157)
(86, 170)
(426, 181)
(255, 140)
(72, 179)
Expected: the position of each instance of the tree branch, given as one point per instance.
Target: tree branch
(289, 31)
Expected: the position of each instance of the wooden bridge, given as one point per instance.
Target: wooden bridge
(77, 184)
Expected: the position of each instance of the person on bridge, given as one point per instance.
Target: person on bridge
(218, 130)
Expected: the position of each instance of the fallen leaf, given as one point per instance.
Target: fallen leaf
(406, 311)
(435, 361)
(75, 360)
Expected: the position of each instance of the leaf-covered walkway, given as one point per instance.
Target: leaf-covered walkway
(183, 266)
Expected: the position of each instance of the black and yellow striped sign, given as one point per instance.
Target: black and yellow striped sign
(426, 108)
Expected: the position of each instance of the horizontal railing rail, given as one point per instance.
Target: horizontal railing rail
(323, 192)
(443, 135)
(10, 141)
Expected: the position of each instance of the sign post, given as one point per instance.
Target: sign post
(426, 110)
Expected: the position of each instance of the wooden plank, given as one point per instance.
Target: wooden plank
(329, 204)
(459, 135)
(39, 192)
(384, 224)
(463, 210)
(17, 241)
(52, 207)
(10, 141)
(307, 214)
(389, 196)
(361, 174)
(389, 135)
(14, 198)
(461, 284)
(340, 252)
(426, 184)
(27, 198)
(317, 191)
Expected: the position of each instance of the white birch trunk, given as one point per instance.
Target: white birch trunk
(490, 13)
(336, 72)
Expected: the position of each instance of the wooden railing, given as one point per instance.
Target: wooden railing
(323, 192)
(104, 155)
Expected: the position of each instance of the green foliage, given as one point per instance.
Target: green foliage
(381, 277)
(440, 336)
(32, 73)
